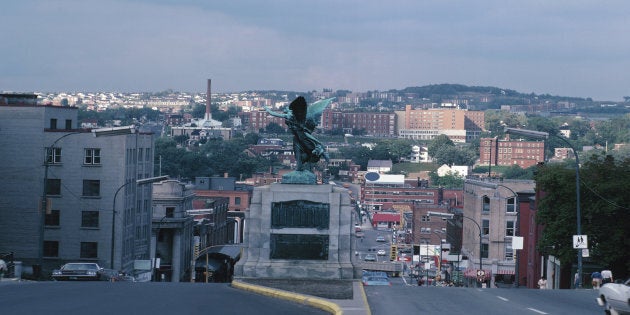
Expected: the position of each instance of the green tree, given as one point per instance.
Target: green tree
(604, 211)
(450, 180)
(439, 142)
(452, 155)
(272, 127)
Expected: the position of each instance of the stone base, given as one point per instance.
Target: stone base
(256, 261)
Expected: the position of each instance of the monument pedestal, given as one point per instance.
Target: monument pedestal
(297, 231)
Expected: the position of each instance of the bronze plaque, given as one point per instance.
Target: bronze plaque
(299, 246)
(300, 214)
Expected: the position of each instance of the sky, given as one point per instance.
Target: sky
(577, 48)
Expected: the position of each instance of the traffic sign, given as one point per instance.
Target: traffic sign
(481, 273)
(580, 241)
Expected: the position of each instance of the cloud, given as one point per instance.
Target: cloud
(572, 48)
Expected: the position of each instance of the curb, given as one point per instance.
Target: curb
(290, 296)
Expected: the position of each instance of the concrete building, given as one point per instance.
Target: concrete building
(377, 124)
(172, 230)
(84, 177)
(422, 124)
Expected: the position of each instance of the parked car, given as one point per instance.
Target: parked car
(376, 280)
(381, 252)
(615, 297)
(115, 276)
(369, 257)
(78, 271)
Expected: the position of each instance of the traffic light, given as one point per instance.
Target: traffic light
(393, 252)
(416, 249)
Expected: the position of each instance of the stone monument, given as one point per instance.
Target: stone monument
(298, 229)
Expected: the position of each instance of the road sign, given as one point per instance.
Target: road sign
(481, 273)
(580, 242)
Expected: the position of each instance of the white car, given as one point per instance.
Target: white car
(615, 298)
(381, 252)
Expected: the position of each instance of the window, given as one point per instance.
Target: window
(509, 228)
(140, 151)
(53, 186)
(170, 211)
(425, 218)
(486, 204)
(51, 249)
(53, 155)
(484, 250)
(485, 227)
(510, 205)
(91, 188)
(68, 124)
(509, 252)
(89, 219)
(89, 250)
(52, 218)
(425, 230)
(237, 200)
(53, 123)
(92, 156)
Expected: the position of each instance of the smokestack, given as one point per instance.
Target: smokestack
(208, 101)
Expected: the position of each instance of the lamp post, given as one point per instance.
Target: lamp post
(450, 216)
(137, 182)
(545, 135)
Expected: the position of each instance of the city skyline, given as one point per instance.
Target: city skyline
(563, 48)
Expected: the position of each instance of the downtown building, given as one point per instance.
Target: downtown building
(459, 125)
(83, 182)
(508, 152)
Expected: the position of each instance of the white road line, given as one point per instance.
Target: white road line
(535, 310)
(502, 298)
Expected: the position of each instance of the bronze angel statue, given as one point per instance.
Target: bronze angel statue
(302, 121)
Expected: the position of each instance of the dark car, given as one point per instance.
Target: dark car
(78, 271)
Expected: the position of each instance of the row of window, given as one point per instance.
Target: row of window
(91, 187)
(89, 250)
(91, 156)
(89, 219)
(509, 227)
(510, 206)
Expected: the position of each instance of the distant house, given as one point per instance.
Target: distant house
(379, 166)
(459, 170)
(386, 220)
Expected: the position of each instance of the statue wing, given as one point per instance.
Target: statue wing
(316, 109)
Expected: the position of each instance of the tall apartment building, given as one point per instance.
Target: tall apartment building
(507, 152)
(45, 154)
(425, 124)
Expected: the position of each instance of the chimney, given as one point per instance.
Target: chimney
(208, 101)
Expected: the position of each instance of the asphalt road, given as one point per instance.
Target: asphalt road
(402, 299)
(95, 298)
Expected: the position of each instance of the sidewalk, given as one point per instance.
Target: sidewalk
(358, 305)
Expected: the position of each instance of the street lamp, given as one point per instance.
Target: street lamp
(450, 216)
(545, 135)
(137, 182)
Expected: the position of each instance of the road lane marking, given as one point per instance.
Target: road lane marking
(535, 310)
(502, 298)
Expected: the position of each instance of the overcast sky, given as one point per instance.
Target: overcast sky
(561, 47)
